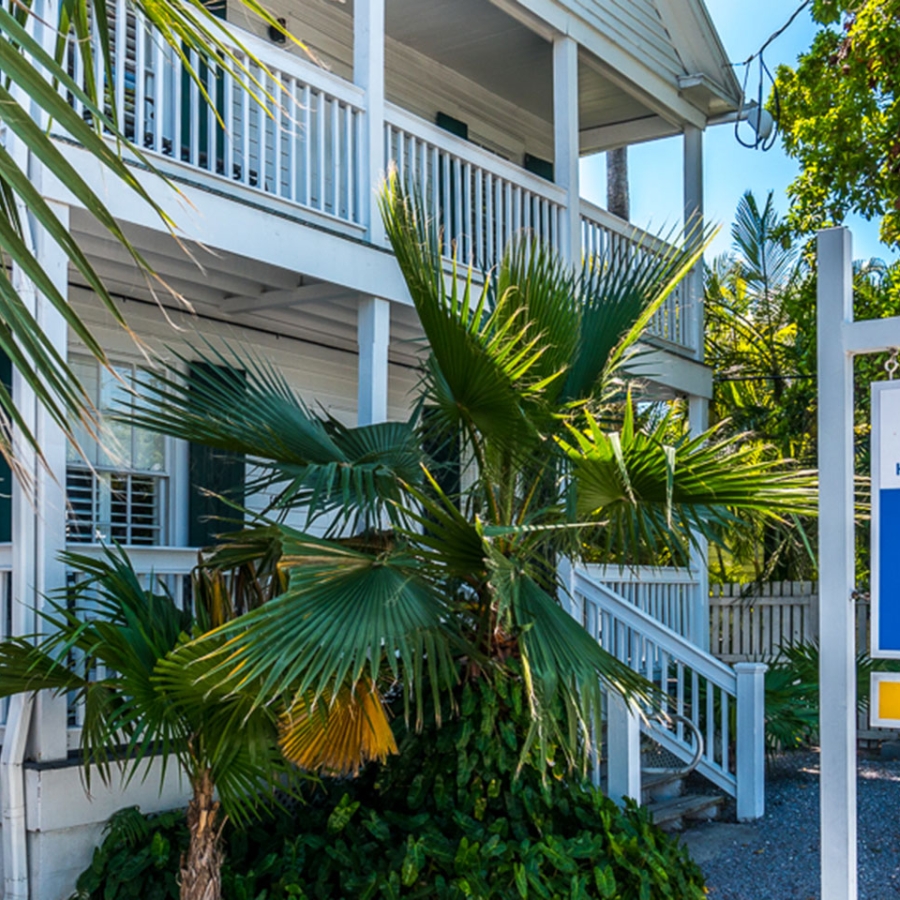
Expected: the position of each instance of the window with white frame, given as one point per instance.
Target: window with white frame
(117, 488)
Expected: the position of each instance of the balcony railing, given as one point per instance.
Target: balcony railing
(306, 146)
(479, 200)
(604, 233)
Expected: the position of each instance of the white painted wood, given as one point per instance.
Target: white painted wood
(38, 509)
(693, 226)
(566, 142)
(837, 671)
(368, 73)
(623, 749)
(374, 337)
(659, 653)
(648, 127)
(751, 741)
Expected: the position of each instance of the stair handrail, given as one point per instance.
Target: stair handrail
(708, 666)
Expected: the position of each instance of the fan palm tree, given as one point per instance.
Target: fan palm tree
(104, 645)
(36, 40)
(425, 573)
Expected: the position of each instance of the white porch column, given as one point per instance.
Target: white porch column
(368, 73)
(837, 650)
(698, 406)
(751, 741)
(565, 142)
(623, 747)
(373, 336)
(693, 225)
(39, 512)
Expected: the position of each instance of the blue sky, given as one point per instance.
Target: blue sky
(655, 168)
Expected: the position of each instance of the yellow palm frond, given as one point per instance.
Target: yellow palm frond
(337, 735)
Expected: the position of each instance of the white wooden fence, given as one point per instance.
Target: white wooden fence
(750, 623)
(754, 622)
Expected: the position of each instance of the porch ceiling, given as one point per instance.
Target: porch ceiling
(237, 290)
(481, 42)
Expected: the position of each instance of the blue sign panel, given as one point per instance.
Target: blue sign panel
(885, 587)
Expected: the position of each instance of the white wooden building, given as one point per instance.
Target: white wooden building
(488, 105)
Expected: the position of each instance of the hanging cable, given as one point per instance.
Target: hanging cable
(763, 123)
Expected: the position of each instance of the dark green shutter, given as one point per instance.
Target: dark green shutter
(5, 472)
(454, 126)
(219, 471)
(539, 166)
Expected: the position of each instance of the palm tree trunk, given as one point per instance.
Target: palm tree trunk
(201, 866)
(618, 201)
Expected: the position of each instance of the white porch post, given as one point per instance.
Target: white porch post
(751, 741)
(565, 143)
(693, 225)
(623, 748)
(39, 512)
(373, 337)
(368, 73)
(837, 634)
(698, 406)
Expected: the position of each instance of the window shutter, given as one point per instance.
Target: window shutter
(539, 166)
(5, 472)
(219, 471)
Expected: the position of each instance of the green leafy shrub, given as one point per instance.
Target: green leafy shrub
(138, 858)
(454, 816)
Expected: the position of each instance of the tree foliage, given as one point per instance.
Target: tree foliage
(840, 117)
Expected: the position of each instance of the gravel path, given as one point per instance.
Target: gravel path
(778, 857)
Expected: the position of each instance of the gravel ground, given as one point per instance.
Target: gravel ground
(778, 857)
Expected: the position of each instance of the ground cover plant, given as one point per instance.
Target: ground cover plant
(455, 814)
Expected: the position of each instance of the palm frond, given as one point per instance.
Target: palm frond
(650, 491)
(339, 734)
(241, 404)
(484, 362)
(347, 616)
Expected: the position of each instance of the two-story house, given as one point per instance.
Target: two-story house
(488, 106)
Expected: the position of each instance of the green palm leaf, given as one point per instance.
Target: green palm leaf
(649, 490)
(305, 459)
(346, 616)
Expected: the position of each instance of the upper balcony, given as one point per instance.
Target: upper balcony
(491, 147)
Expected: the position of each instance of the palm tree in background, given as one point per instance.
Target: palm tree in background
(415, 555)
(761, 383)
(36, 40)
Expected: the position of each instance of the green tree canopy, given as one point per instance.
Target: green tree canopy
(840, 117)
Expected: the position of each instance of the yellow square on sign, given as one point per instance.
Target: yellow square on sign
(885, 700)
(889, 700)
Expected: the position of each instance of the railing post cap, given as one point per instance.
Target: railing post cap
(751, 668)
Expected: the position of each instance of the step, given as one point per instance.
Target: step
(668, 814)
(660, 786)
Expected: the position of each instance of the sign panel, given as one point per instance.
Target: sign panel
(884, 703)
(885, 580)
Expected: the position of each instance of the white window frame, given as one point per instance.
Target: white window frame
(173, 528)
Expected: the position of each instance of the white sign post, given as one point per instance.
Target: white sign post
(839, 340)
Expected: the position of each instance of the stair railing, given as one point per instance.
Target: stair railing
(725, 704)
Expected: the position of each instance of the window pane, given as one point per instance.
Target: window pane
(86, 372)
(120, 500)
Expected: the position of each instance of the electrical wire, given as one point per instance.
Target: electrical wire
(765, 84)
